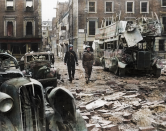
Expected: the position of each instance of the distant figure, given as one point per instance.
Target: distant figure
(87, 62)
(71, 60)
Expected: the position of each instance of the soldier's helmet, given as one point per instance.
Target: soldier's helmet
(70, 45)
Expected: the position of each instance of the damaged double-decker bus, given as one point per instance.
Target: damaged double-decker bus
(129, 46)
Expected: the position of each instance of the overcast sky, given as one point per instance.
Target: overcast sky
(47, 9)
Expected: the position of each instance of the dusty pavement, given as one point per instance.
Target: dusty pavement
(112, 103)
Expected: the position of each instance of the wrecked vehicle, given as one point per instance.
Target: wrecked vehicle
(22, 107)
(129, 46)
(9, 67)
(64, 116)
(40, 65)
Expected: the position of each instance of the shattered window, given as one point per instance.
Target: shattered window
(108, 22)
(144, 7)
(29, 5)
(37, 57)
(109, 6)
(92, 27)
(91, 6)
(9, 5)
(29, 28)
(130, 6)
(163, 2)
(9, 28)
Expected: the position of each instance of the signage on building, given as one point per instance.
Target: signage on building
(81, 30)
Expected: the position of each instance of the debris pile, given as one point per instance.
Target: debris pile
(123, 105)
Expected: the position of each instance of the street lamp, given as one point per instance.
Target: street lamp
(85, 30)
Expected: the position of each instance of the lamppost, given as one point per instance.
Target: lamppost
(85, 30)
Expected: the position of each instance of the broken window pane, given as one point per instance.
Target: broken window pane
(29, 28)
(144, 7)
(129, 6)
(29, 5)
(108, 23)
(9, 4)
(91, 27)
(108, 6)
(9, 28)
(91, 6)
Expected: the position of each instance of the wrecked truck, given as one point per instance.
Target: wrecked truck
(129, 46)
(22, 108)
(9, 67)
(40, 66)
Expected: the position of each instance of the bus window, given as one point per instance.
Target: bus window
(101, 46)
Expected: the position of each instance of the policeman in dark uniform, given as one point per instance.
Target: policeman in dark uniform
(71, 59)
(87, 62)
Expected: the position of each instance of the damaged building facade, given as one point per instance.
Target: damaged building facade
(20, 26)
(61, 28)
(85, 16)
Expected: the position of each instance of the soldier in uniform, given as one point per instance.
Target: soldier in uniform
(87, 62)
(71, 60)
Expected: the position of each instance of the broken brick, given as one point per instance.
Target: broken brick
(86, 118)
(86, 114)
(90, 126)
(127, 115)
(110, 128)
(82, 108)
(96, 129)
(126, 121)
(137, 106)
(109, 105)
(148, 128)
(78, 98)
(163, 118)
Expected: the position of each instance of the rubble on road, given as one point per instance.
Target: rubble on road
(111, 103)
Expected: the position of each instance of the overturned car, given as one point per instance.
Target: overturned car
(40, 65)
(9, 67)
(22, 108)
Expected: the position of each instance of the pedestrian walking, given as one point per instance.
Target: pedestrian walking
(87, 62)
(71, 60)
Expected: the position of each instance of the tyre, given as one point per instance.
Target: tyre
(121, 72)
(157, 73)
(116, 71)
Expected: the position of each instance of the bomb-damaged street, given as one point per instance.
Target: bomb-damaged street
(131, 103)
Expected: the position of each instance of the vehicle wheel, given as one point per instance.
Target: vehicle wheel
(54, 83)
(116, 71)
(157, 73)
(121, 72)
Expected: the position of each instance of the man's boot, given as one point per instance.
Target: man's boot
(87, 81)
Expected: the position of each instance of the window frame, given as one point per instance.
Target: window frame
(26, 19)
(133, 8)
(162, 4)
(6, 6)
(10, 19)
(95, 7)
(112, 6)
(146, 7)
(96, 25)
(25, 8)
